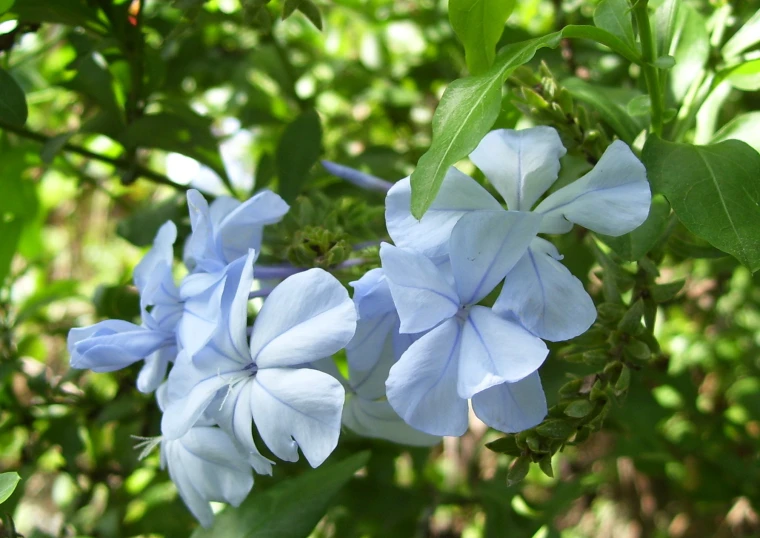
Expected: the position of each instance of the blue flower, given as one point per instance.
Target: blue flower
(375, 347)
(611, 199)
(228, 228)
(114, 344)
(467, 349)
(222, 235)
(307, 317)
(206, 465)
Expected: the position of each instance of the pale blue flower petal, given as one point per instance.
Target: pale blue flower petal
(522, 165)
(420, 291)
(218, 313)
(367, 345)
(153, 372)
(512, 407)
(231, 409)
(370, 382)
(307, 317)
(372, 294)
(113, 344)
(190, 393)
(545, 297)
(161, 254)
(422, 385)
(241, 229)
(459, 194)
(206, 466)
(494, 350)
(297, 407)
(612, 199)
(378, 420)
(484, 246)
(200, 244)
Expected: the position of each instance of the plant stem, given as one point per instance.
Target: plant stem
(140, 171)
(651, 74)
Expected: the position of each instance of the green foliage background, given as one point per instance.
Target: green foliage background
(94, 94)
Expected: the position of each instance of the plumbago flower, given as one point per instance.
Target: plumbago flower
(205, 464)
(222, 233)
(539, 292)
(375, 347)
(115, 344)
(467, 351)
(239, 382)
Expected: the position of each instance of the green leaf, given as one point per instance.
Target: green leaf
(8, 483)
(470, 106)
(298, 150)
(747, 36)
(610, 103)
(289, 7)
(714, 190)
(631, 321)
(5, 5)
(615, 17)
(745, 127)
(662, 293)
(518, 470)
(665, 62)
(94, 80)
(67, 12)
(682, 33)
(12, 100)
(639, 105)
(311, 12)
(634, 245)
(579, 408)
(556, 428)
(289, 509)
(505, 445)
(545, 464)
(479, 25)
(745, 77)
(186, 133)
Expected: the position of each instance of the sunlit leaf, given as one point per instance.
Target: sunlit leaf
(479, 25)
(290, 509)
(714, 190)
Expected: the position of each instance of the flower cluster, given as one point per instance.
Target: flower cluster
(419, 343)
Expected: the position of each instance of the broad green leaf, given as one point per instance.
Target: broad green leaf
(714, 190)
(747, 36)
(610, 103)
(8, 482)
(681, 32)
(634, 245)
(94, 80)
(290, 509)
(5, 5)
(289, 7)
(311, 12)
(745, 127)
(188, 134)
(615, 17)
(470, 106)
(68, 12)
(746, 76)
(479, 25)
(298, 150)
(12, 101)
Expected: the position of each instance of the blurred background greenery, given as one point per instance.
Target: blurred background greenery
(128, 105)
